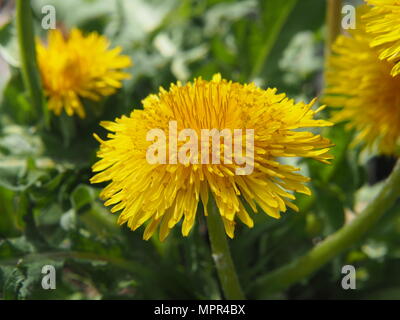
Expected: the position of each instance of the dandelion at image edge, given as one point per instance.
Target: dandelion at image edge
(362, 85)
(161, 195)
(79, 66)
(382, 23)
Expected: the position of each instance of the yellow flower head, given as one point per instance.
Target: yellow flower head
(164, 194)
(79, 66)
(360, 82)
(383, 23)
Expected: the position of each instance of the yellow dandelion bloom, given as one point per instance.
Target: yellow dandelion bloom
(164, 194)
(383, 23)
(361, 83)
(79, 66)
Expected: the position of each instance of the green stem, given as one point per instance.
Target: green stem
(344, 238)
(333, 21)
(221, 254)
(29, 69)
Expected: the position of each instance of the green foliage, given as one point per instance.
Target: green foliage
(50, 214)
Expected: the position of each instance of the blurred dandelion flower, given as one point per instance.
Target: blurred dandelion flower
(164, 194)
(79, 66)
(361, 83)
(383, 23)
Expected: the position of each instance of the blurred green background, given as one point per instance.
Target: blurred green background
(50, 214)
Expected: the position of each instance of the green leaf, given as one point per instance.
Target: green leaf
(24, 282)
(273, 17)
(9, 250)
(9, 44)
(82, 196)
(13, 284)
(330, 208)
(9, 222)
(14, 102)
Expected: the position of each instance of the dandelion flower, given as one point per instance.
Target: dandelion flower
(79, 66)
(383, 23)
(164, 194)
(361, 83)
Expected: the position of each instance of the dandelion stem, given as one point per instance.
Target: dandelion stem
(221, 254)
(26, 42)
(333, 245)
(333, 20)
